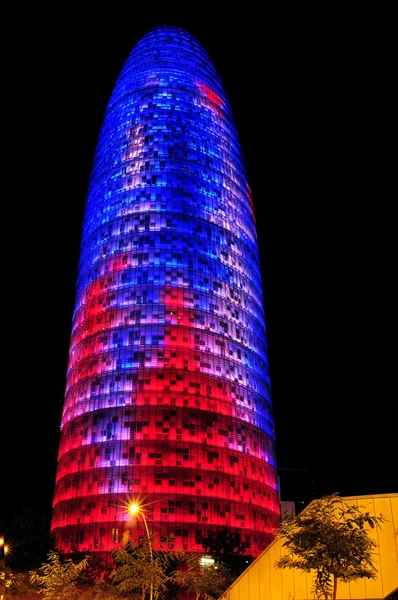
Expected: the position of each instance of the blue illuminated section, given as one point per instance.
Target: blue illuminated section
(167, 395)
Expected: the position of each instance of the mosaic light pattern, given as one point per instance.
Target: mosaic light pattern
(167, 398)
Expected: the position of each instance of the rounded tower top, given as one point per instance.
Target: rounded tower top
(168, 56)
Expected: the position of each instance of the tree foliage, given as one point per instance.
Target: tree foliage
(139, 567)
(15, 584)
(223, 542)
(206, 582)
(227, 547)
(97, 570)
(101, 590)
(331, 538)
(58, 580)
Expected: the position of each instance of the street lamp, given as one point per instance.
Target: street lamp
(4, 548)
(135, 509)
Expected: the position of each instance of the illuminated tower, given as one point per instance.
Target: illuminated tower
(167, 398)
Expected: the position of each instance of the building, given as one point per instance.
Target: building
(167, 399)
(261, 581)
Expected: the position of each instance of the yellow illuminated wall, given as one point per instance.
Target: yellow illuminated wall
(261, 581)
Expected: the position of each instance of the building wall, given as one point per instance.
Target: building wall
(167, 398)
(261, 581)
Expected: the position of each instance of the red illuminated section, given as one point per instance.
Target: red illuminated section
(215, 102)
(165, 432)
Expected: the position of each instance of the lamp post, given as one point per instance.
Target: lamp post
(4, 550)
(135, 509)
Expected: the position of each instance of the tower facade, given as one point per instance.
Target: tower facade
(167, 399)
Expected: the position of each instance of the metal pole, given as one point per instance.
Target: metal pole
(150, 550)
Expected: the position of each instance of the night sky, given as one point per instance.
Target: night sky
(310, 105)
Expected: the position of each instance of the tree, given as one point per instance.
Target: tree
(228, 548)
(330, 537)
(224, 542)
(101, 590)
(16, 585)
(58, 580)
(97, 569)
(138, 567)
(206, 582)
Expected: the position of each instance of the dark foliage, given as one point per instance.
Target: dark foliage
(27, 533)
(228, 548)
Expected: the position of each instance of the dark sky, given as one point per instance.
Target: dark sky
(310, 101)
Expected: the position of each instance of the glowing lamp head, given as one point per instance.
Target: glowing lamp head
(4, 545)
(134, 509)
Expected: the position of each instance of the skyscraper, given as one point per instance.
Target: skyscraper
(167, 399)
